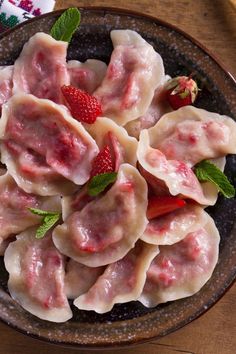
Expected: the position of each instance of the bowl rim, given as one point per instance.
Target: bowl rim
(232, 277)
(133, 13)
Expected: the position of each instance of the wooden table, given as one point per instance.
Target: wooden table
(212, 22)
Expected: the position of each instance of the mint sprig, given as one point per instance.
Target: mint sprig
(49, 219)
(64, 28)
(207, 171)
(100, 182)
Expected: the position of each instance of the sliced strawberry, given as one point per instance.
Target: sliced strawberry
(158, 206)
(117, 151)
(102, 162)
(83, 106)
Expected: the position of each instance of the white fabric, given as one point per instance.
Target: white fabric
(26, 9)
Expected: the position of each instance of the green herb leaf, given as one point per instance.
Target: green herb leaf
(207, 171)
(100, 182)
(48, 220)
(64, 28)
(42, 212)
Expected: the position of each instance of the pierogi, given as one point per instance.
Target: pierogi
(103, 248)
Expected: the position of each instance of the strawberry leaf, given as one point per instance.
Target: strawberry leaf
(207, 171)
(184, 94)
(64, 28)
(99, 182)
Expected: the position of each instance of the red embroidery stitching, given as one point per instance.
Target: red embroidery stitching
(26, 5)
(37, 12)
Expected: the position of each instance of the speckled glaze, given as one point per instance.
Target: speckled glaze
(132, 322)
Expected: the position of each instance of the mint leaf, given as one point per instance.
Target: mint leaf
(207, 171)
(64, 28)
(48, 220)
(100, 182)
(41, 212)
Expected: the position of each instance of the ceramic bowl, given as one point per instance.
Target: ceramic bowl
(132, 322)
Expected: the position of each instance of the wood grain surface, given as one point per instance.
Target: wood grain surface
(213, 23)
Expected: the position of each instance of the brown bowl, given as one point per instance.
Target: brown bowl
(132, 322)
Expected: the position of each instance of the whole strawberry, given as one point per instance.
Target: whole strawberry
(181, 91)
(103, 162)
(83, 106)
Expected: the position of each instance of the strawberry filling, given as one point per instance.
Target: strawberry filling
(42, 264)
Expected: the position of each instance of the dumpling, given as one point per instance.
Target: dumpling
(4, 244)
(44, 148)
(121, 282)
(158, 107)
(32, 173)
(134, 72)
(41, 68)
(86, 76)
(5, 84)
(192, 134)
(14, 203)
(210, 189)
(107, 227)
(170, 175)
(76, 201)
(173, 227)
(79, 278)
(180, 270)
(124, 148)
(36, 276)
